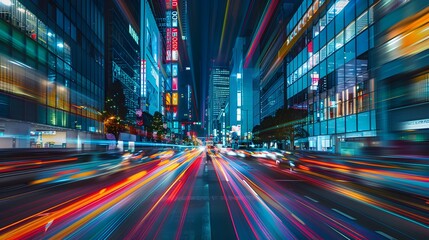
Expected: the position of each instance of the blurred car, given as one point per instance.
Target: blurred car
(138, 156)
(88, 165)
(228, 151)
(275, 154)
(266, 153)
(243, 152)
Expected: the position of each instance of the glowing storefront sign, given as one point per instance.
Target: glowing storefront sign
(416, 124)
(175, 99)
(175, 84)
(168, 99)
(175, 69)
(168, 45)
(175, 44)
(171, 4)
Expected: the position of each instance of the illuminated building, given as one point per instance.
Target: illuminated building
(241, 92)
(218, 95)
(268, 87)
(151, 59)
(327, 53)
(402, 74)
(172, 36)
(123, 52)
(52, 73)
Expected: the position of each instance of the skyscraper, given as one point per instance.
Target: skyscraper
(123, 52)
(241, 108)
(52, 73)
(218, 95)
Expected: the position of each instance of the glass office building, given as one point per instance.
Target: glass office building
(241, 94)
(123, 52)
(51, 76)
(329, 50)
(402, 74)
(219, 95)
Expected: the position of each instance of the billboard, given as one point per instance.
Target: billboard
(175, 98)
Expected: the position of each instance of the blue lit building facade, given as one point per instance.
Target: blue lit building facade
(151, 59)
(271, 84)
(328, 54)
(218, 97)
(241, 94)
(52, 73)
(402, 74)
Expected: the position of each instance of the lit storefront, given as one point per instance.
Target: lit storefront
(328, 53)
(49, 78)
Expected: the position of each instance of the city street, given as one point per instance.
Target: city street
(190, 196)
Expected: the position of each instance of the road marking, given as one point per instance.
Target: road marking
(339, 233)
(207, 232)
(385, 235)
(312, 199)
(345, 215)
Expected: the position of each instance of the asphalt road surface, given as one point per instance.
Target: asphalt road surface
(190, 196)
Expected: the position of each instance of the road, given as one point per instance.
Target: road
(189, 196)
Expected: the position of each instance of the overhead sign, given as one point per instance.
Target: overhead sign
(415, 124)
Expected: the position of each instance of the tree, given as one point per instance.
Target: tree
(287, 124)
(115, 126)
(158, 125)
(291, 123)
(114, 111)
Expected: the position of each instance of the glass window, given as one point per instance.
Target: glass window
(67, 26)
(362, 22)
(331, 47)
(316, 29)
(322, 22)
(340, 5)
(331, 64)
(31, 25)
(60, 47)
(316, 59)
(42, 34)
(331, 30)
(73, 31)
(341, 127)
(350, 51)
(330, 14)
(371, 15)
(351, 123)
(305, 67)
(322, 69)
(60, 18)
(362, 43)
(51, 40)
(323, 53)
(363, 121)
(350, 31)
(339, 58)
(339, 40)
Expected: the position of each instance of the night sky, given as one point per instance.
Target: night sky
(214, 26)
